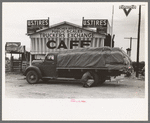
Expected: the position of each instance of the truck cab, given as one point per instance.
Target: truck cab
(42, 69)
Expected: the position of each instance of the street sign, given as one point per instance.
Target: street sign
(34, 25)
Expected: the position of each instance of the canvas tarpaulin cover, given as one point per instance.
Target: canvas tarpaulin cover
(103, 57)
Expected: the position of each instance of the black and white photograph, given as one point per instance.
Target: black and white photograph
(72, 61)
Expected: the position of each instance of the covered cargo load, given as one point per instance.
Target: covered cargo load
(104, 57)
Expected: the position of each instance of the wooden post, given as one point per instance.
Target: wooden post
(19, 56)
(112, 25)
(82, 21)
(130, 42)
(30, 59)
(11, 63)
(21, 62)
(48, 22)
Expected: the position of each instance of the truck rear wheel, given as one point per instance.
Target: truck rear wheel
(32, 77)
(95, 78)
(90, 79)
(101, 80)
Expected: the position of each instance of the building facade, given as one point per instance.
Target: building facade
(63, 36)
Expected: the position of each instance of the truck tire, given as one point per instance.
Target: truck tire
(32, 77)
(87, 77)
(95, 78)
(101, 80)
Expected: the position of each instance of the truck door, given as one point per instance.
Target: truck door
(49, 65)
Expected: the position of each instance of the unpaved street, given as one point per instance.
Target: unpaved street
(16, 86)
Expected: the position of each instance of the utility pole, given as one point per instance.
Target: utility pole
(130, 41)
(138, 43)
(112, 24)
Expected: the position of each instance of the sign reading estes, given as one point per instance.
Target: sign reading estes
(33, 25)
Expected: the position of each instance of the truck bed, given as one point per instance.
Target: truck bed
(106, 58)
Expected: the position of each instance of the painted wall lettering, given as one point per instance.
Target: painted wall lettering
(50, 46)
(85, 43)
(64, 46)
(66, 33)
(73, 43)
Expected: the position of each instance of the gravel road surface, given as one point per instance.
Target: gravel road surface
(16, 86)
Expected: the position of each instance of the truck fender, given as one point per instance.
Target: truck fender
(36, 69)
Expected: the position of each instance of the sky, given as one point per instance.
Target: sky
(15, 16)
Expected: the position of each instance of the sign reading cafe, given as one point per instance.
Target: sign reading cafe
(66, 33)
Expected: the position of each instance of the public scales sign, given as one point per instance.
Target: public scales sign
(66, 32)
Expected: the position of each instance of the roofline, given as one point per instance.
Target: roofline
(65, 22)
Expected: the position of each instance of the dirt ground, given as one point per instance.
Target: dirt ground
(16, 86)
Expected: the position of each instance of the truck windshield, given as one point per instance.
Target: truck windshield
(50, 57)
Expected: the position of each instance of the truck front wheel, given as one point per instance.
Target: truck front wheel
(32, 77)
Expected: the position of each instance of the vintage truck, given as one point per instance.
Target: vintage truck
(102, 63)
